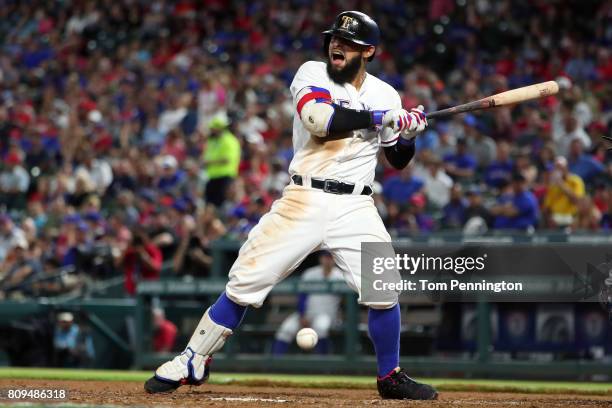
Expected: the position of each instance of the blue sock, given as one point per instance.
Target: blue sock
(384, 328)
(226, 312)
(279, 347)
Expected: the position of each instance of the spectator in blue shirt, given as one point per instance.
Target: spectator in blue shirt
(73, 346)
(429, 140)
(480, 146)
(173, 180)
(519, 210)
(402, 187)
(500, 170)
(583, 164)
(454, 212)
(460, 165)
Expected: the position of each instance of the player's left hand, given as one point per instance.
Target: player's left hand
(417, 125)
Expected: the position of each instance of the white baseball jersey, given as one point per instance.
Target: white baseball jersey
(318, 303)
(306, 219)
(351, 159)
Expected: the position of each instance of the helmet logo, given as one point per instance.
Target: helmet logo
(347, 21)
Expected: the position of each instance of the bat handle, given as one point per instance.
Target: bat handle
(466, 107)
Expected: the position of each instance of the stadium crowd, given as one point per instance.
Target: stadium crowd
(134, 133)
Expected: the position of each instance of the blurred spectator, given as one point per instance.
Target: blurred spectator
(565, 191)
(278, 177)
(460, 165)
(520, 210)
(477, 216)
(72, 344)
(606, 219)
(19, 271)
(437, 182)
(588, 216)
(318, 311)
(171, 118)
(14, 181)
(582, 164)
(447, 140)
(40, 157)
(454, 212)
(175, 145)
(172, 180)
(524, 165)
(572, 130)
(164, 335)
(402, 187)
(418, 220)
(54, 281)
(142, 260)
(97, 171)
(193, 256)
(480, 146)
(84, 187)
(428, 140)
(163, 232)
(10, 236)
(499, 172)
(222, 158)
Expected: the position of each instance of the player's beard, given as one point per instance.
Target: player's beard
(346, 74)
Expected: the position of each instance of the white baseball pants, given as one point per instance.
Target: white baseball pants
(304, 220)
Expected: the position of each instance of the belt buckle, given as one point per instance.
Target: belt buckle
(331, 186)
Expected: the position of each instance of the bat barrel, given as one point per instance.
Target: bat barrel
(507, 98)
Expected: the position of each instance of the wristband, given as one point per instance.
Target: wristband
(407, 142)
(377, 117)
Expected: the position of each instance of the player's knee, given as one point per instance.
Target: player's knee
(243, 298)
(380, 305)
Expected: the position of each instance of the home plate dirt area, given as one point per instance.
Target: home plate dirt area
(105, 393)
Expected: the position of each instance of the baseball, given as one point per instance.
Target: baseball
(306, 338)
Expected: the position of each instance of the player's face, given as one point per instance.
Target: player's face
(344, 59)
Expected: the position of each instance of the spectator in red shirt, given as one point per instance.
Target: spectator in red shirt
(142, 261)
(165, 332)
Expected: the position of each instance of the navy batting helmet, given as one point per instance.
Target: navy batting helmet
(356, 27)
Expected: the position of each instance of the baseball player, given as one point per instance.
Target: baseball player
(343, 116)
(317, 310)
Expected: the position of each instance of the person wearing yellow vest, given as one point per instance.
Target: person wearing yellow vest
(221, 160)
(565, 191)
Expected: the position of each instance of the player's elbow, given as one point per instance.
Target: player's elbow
(317, 117)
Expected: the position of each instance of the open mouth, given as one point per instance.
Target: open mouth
(337, 56)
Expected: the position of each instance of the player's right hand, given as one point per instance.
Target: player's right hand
(404, 122)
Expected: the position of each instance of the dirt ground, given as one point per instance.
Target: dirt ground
(131, 393)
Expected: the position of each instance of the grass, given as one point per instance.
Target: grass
(320, 381)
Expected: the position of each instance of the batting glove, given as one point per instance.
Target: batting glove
(408, 124)
(417, 125)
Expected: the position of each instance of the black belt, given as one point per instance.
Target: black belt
(331, 186)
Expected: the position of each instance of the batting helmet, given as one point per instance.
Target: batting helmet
(356, 27)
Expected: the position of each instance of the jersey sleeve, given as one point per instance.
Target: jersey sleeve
(309, 85)
(387, 136)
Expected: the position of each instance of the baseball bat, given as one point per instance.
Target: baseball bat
(525, 93)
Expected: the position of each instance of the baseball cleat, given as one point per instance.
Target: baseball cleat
(155, 386)
(397, 385)
(188, 368)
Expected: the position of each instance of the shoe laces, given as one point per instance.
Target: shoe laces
(401, 377)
